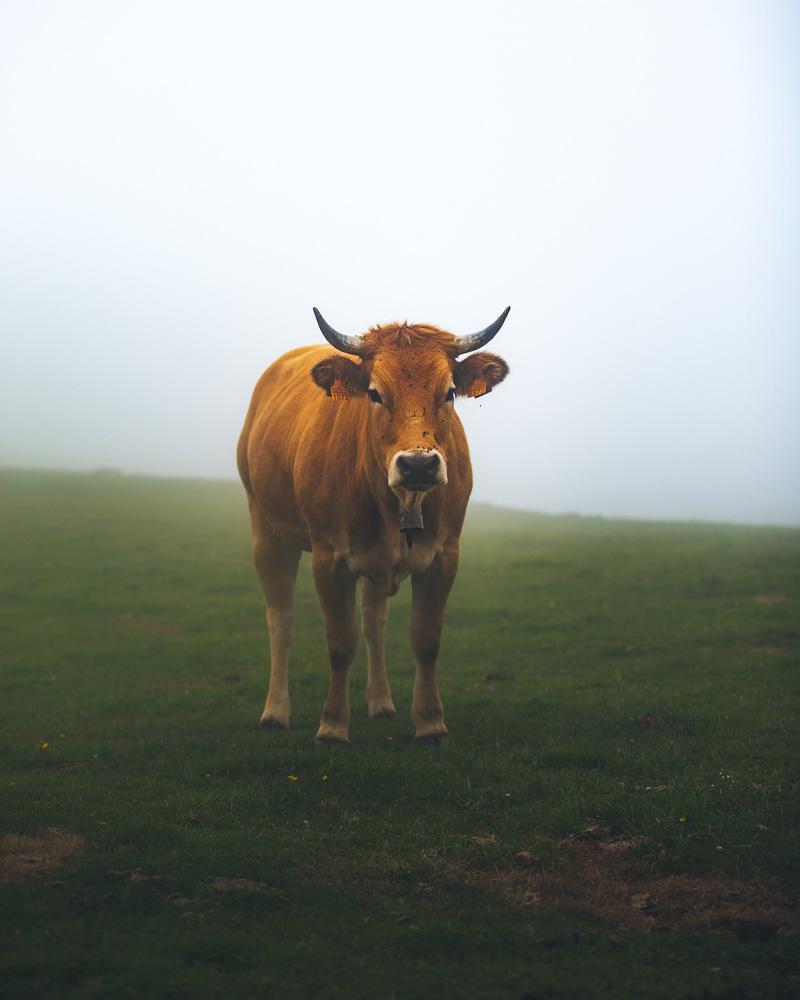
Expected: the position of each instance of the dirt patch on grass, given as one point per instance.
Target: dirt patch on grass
(225, 884)
(220, 883)
(652, 722)
(21, 856)
(770, 599)
(134, 875)
(173, 684)
(141, 625)
(603, 880)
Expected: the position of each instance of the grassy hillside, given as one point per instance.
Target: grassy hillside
(615, 814)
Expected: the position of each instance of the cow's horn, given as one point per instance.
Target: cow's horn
(475, 340)
(350, 345)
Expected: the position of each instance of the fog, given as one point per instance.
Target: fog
(181, 182)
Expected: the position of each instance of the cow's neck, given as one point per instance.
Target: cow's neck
(380, 550)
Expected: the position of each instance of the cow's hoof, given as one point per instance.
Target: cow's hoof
(330, 741)
(387, 711)
(329, 735)
(432, 737)
(273, 722)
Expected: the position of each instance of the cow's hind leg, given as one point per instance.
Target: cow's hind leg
(276, 564)
(374, 612)
(429, 592)
(336, 587)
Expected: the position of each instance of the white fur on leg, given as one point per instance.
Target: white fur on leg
(277, 708)
(334, 726)
(427, 713)
(374, 612)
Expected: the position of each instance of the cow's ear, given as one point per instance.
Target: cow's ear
(340, 377)
(479, 374)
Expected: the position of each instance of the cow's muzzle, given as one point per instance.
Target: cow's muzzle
(418, 470)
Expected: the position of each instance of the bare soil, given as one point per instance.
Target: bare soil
(603, 879)
(22, 857)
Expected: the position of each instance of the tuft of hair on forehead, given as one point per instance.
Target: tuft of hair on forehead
(414, 335)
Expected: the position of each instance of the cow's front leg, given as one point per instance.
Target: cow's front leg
(374, 612)
(429, 597)
(336, 587)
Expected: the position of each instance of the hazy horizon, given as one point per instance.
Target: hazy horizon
(181, 183)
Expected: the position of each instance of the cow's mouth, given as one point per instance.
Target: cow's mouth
(417, 470)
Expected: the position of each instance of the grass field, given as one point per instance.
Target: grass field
(615, 814)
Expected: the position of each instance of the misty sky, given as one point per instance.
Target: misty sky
(181, 182)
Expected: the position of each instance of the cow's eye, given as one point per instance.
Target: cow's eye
(374, 396)
(451, 394)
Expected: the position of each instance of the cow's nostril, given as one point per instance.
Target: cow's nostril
(432, 463)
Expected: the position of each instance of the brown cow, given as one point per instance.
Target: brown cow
(372, 476)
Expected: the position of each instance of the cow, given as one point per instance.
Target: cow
(357, 456)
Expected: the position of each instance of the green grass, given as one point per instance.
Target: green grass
(134, 647)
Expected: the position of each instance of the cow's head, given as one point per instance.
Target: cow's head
(410, 376)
